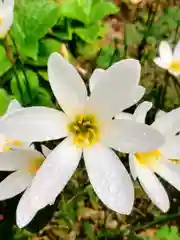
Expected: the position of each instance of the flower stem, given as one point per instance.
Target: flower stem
(157, 221)
(150, 20)
(22, 66)
(13, 62)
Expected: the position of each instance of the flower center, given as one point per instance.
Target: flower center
(175, 65)
(9, 144)
(35, 164)
(148, 158)
(85, 130)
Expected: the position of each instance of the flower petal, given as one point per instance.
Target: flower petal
(54, 173)
(66, 83)
(158, 61)
(132, 165)
(171, 148)
(7, 16)
(169, 123)
(165, 52)
(130, 136)
(153, 187)
(124, 115)
(110, 96)
(15, 160)
(135, 97)
(2, 141)
(13, 106)
(25, 211)
(160, 113)
(45, 150)
(14, 184)
(33, 124)
(138, 93)
(170, 172)
(109, 178)
(176, 74)
(176, 53)
(9, 3)
(141, 111)
(96, 76)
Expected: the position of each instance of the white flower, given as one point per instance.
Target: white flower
(87, 123)
(161, 160)
(7, 143)
(169, 59)
(25, 163)
(6, 16)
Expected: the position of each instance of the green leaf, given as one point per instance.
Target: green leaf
(88, 11)
(77, 10)
(26, 45)
(63, 30)
(43, 74)
(46, 47)
(5, 63)
(26, 92)
(43, 98)
(174, 230)
(101, 10)
(107, 56)
(90, 33)
(132, 35)
(4, 100)
(163, 232)
(89, 231)
(168, 233)
(173, 13)
(31, 23)
(88, 51)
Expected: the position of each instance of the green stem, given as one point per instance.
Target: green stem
(22, 66)
(162, 91)
(11, 58)
(157, 221)
(144, 39)
(125, 42)
(115, 53)
(151, 16)
(176, 32)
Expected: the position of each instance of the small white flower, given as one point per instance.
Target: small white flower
(7, 143)
(87, 123)
(162, 160)
(25, 163)
(6, 16)
(169, 59)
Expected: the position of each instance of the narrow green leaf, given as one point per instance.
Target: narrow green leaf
(5, 63)
(4, 100)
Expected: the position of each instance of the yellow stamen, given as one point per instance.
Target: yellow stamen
(17, 143)
(175, 161)
(6, 148)
(85, 130)
(1, 20)
(148, 158)
(13, 143)
(35, 164)
(175, 65)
